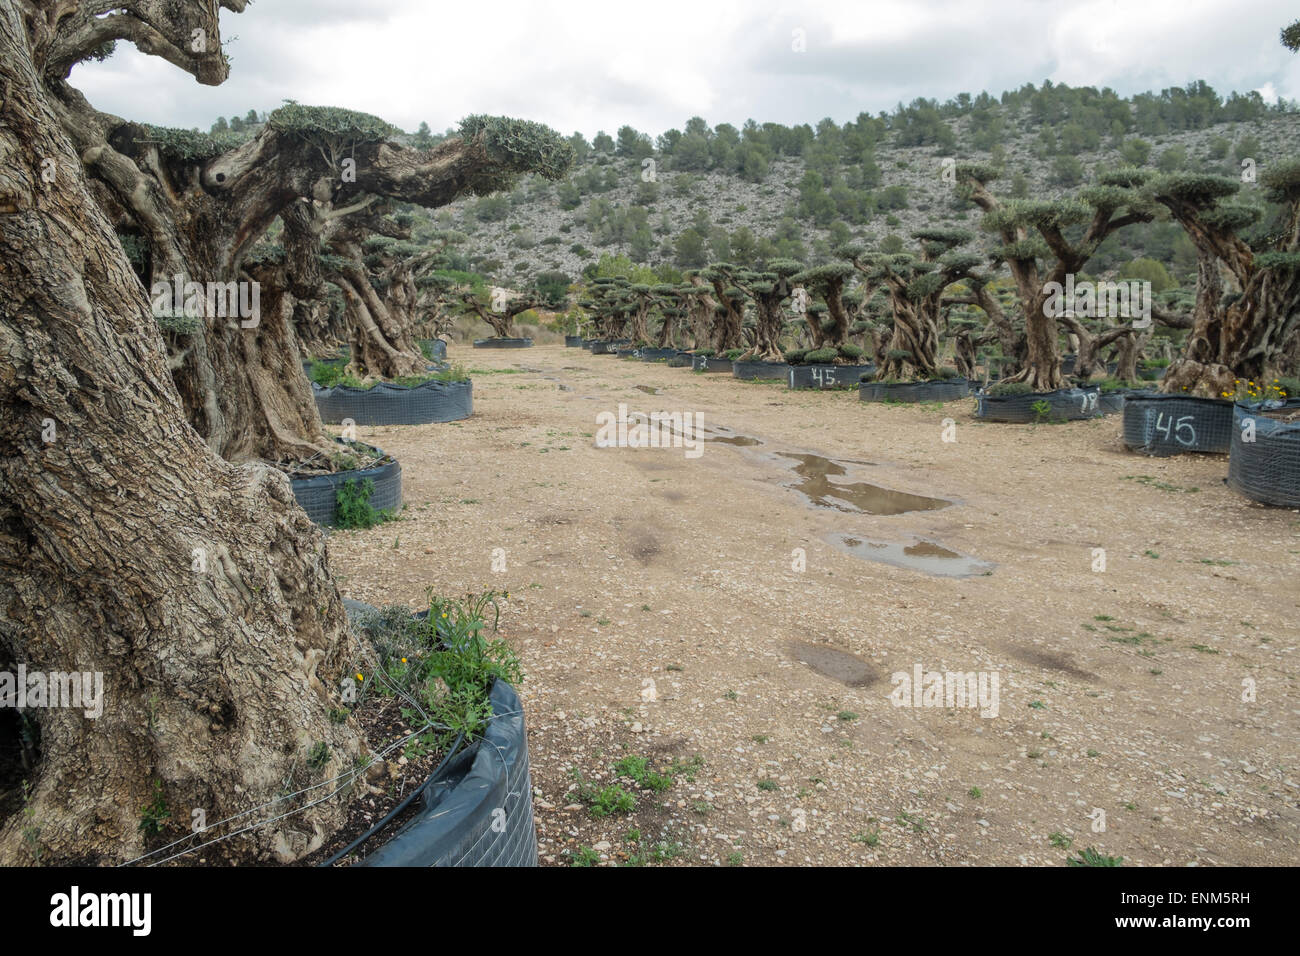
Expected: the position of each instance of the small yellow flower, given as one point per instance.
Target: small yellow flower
(403, 660)
(360, 676)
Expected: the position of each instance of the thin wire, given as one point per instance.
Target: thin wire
(349, 775)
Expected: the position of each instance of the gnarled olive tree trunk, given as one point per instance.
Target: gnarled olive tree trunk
(198, 589)
(380, 336)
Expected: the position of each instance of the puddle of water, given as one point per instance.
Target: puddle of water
(732, 439)
(842, 666)
(921, 555)
(720, 433)
(816, 473)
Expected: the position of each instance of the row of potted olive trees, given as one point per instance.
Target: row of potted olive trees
(902, 302)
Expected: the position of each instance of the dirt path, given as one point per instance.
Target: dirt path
(1118, 691)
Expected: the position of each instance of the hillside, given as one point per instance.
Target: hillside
(751, 198)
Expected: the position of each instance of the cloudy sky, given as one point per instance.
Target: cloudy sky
(579, 65)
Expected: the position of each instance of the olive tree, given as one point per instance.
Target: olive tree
(828, 281)
(916, 284)
(768, 290)
(201, 202)
(1044, 241)
(729, 317)
(197, 588)
(1246, 320)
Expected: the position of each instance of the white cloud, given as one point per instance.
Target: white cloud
(580, 64)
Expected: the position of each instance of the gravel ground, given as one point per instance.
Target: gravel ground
(657, 606)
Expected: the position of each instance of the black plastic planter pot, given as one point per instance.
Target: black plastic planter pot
(1264, 462)
(1160, 424)
(573, 341)
(628, 352)
(657, 354)
(1112, 403)
(437, 347)
(748, 371)
(387, 404)
(827, 376)
(1068, 362)
(710, 363)
(680, 360)
(479, 812)
(1064, 404)
(318, 495)
(503, 343)
(939, 390)
(588, 343)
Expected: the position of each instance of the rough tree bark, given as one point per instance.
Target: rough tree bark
(1090, 343)
(197, 588)
(700, 310)
(381, 327)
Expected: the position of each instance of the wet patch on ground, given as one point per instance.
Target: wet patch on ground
(848, 669)
(920, 555)
(1049, 660)
(815, 484)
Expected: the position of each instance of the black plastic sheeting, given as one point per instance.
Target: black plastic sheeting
(480, 811)
(573, 341)
(1160, 424)
(503, 343)
(710, 363)
(656, 354)
(608, 346)
(1065, 404)
(939, 390)
(318, 495)
(387, 404)
(680, 360)
(1266, 469)
(437, 347)
(627, 351)
(752, 370)
(827, 376)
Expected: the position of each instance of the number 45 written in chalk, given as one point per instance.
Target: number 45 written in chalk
(1181, 429)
